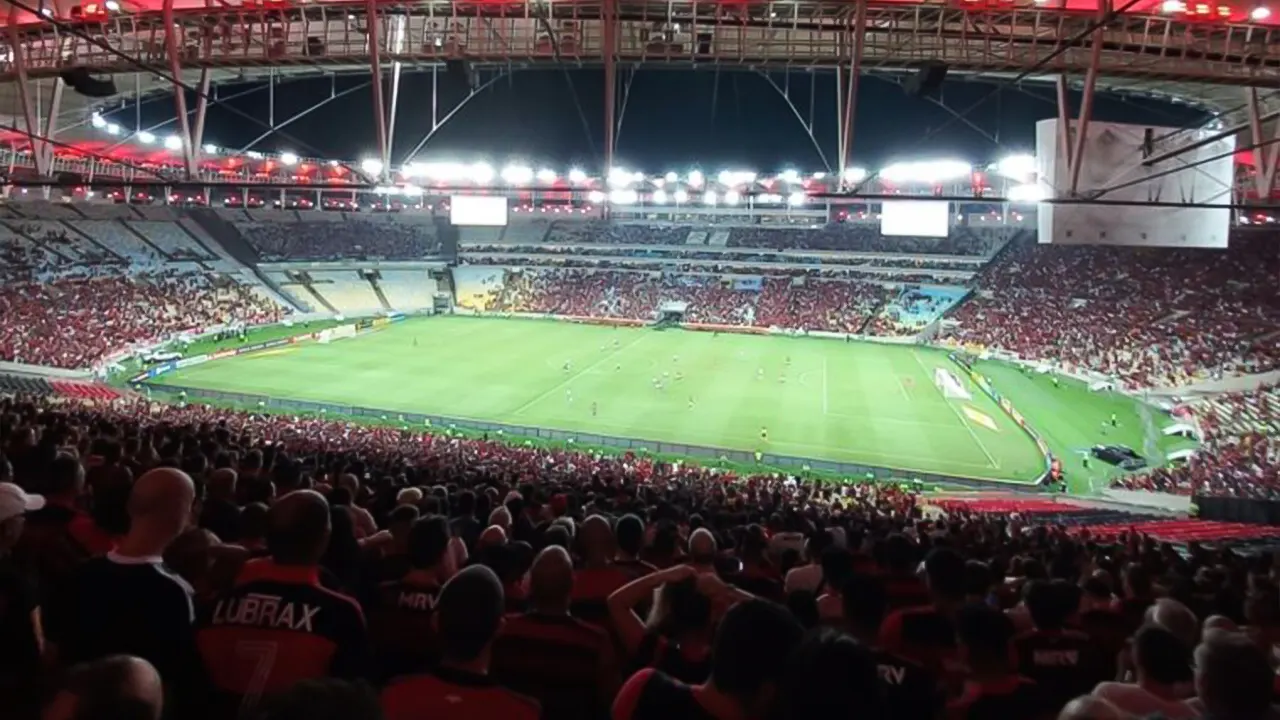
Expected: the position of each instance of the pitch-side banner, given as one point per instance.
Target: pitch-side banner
(1123, 163)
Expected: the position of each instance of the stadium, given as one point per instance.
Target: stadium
(352, 365)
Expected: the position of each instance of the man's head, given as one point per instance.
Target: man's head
(596, 538)
(14, 504)
(325, 699)
(119, 687)
(409, 496)
(1177, 619)
(831, 675)
(630, 535)
(65, 480)
(1048, 604)
(1160, 656)
(469, 614)
(750, 653)
(702, 547)
(492, 536)
(1088, 707)
(984, 633)
(500, 517)
(428, 540)
(298, 527)
(222, 484)
(1233, 678)
(551, 580)
(401, 520)
(944, 570)
(160, 505)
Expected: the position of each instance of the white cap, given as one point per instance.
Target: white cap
(14, 501)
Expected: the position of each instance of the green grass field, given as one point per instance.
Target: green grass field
(822, 399)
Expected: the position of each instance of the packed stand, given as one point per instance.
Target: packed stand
(193, 562)
(1239, 455)
(314, 240)
(861, 237)
(76, 322)
(1148, 316)
(601, 232)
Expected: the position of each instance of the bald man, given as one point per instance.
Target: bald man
(597, 577)
(492, 535)
(119, 686)
(1177, 619)
(702, 550)
(1090, 708)
(279, 603)
(563, 662)
(129, 602)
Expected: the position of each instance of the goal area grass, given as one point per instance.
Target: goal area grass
(905, 407)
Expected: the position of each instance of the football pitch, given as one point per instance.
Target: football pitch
(828, 400)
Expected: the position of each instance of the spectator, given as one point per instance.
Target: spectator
(325, 699)
(116, 687)
(552, 656)
(752, 645)
(470, 608)
(598, 576)
(279, 605)
(909, 689)
(22, 647)
(129, 602)
(677, 636)
(401, 620)
(1163, 667)
(993, 689)
(927, 633)
(1062, 661)
(1234, 679)
(60, 535)
(831, 676)
(220, 514)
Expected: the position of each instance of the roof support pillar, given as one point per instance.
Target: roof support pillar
(379, 106)
(173, 49)
(1064, 125)
(1265, 155)
(1086, 101)
(25, 100)
(197, 135)
(858, 35)
(51, 122)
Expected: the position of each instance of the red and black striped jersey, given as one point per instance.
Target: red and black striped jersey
(564, 663)
(451, 694)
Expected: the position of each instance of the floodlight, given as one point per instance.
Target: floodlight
(623, 197)
(659, 197)
(596, 197)
(210, 149)
(412, 191)
(371, 166)
(1260, 13)
(796, 199)
(854, 175)
(256, 155)
(681, 197)
(546, 175)
(819, 176)
(789, 176)
(709, 198)
(732, 197)
(619, 178)
(481, 173)
(173, 142)
(97, 121)
(288, 158)
(517, 175)
(927, 171)
(112, 5)
(113, 129)
(577, 177)
(696, 179)
(146, 138)
(1173, 6)
(1026, 194)
(1016, 167)
(671, 177)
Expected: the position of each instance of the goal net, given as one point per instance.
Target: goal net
(949, 385)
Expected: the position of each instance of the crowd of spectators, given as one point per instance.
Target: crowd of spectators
(193, 562)
(1239, 455)
(1148, 316)
(74, 322)
(315, 240)
(789, 303)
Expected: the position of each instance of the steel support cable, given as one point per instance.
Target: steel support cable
(573, 92)
(1063, 47)
(164, 75)
(32, 137)
(1184, 166)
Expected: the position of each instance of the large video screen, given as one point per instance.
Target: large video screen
(471, 210)
(915, 218)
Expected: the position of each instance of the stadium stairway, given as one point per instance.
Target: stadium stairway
(77, 232)
(372, 277)
(304, 280)
(224, 239)
(143, 239)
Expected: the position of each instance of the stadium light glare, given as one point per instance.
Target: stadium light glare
(819, 176)
(372, 166)
(546, 175)
(1016, 167)
(796, 199)
(854, 174)
(254, 154)
(1260, 13)
(210, 149)
(481, 173)
(113, 129)
(596, 197)
(789, 176)
(623, 197)
(146, 138)
(732, 197)
(411, 191)
(619, 178)
(1173, 6)
(696, 179)
(681, 196)
(517, 175)
(289, 159)
(172, 142)
(659, 197)
(670, 177)
(709, 198)
(1025, 194)
(927, 171)
(97, 121)
(577, 177)
(112, 5)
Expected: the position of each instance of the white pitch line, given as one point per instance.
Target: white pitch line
(824, 384)
(959, 417)
(576, 375)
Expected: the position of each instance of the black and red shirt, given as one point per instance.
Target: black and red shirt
(564, 663)
(592, 588)
(1003, 699)
(276, 627)
(910, 690)
(1064, 663)
(401, 626)
(452, 694)
(923, 634)
(654, 695)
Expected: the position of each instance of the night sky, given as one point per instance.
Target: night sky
(674, 119)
